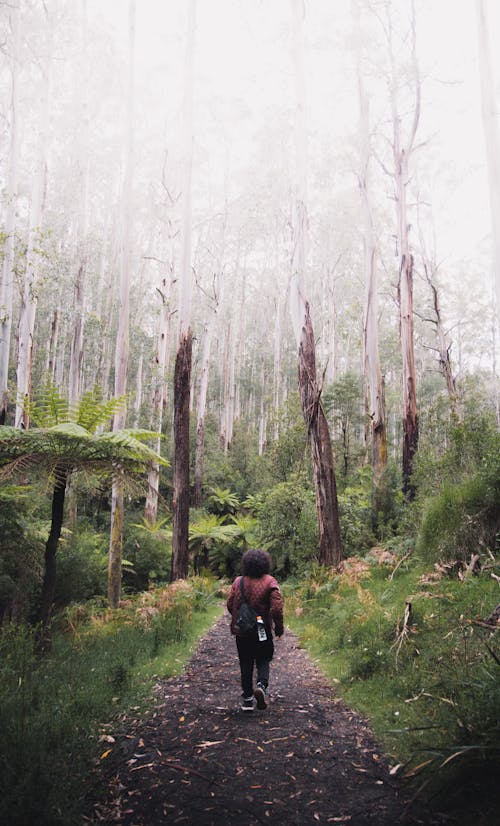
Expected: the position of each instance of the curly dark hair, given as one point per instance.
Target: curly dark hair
(256, 563)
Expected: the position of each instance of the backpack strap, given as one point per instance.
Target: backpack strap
(242, 589)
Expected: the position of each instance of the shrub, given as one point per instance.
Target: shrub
(287, 525)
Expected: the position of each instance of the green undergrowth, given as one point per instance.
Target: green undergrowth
(54, 710)
(430, 688)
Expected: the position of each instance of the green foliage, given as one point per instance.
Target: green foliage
(22, 553)
(148, 550)
(82, 567)
(431, 689)
(463, 515)
(342, 402)
(356, 516)
(222, 501)
(286, 456)
(52, 709)
(287, 525)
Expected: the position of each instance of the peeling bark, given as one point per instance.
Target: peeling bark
(180, 539)
(329, 541)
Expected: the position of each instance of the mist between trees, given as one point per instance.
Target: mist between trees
(207, 207)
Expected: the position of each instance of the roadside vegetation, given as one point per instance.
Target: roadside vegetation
(406, 629)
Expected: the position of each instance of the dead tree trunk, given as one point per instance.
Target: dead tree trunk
(182, 377)
(182, 374)
(329, 541)
(330, 544)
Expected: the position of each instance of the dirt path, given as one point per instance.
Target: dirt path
(197, 759)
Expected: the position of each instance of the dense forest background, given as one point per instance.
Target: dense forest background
(308, 195)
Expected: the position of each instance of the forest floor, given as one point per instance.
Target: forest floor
(196, 758)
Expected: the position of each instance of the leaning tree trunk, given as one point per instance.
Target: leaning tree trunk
(182, 377)
(329, 539)
(49, 574)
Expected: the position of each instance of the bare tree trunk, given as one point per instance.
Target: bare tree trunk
(180, 558)
(277, 365)
(201, 410)
(6, 288)
(401, 156)
(29, 297)
(330, 544)
(371, 360)
(159, 394)
(490, 125)
(122, 341)
(182, 378)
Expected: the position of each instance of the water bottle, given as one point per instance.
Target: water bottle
(261, 629)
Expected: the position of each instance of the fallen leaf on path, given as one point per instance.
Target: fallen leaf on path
(105, 753)
(208, 743)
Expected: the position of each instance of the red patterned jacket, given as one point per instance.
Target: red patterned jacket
(263, 595)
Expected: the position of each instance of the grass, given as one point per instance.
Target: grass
(53, 709)
(431, 689)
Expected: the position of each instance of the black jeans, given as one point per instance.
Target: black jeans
(252, 652)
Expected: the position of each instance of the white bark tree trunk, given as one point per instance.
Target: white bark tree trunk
(7, 285)
(159, 395)
(490, 125)
(122, 341)
(402, 152)
(371, 357)
(29, 296)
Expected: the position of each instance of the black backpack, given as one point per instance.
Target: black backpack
(247, 617)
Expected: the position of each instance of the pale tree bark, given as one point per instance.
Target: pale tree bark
(29, 295)
(201, 406)
(159, 393)
(492, 142)
(402, 151)
(82, 164)
(122, 340)
(7, 285)
(330, 550)
(183, 362)
(371, 357)
(443, 347)
(278, 310)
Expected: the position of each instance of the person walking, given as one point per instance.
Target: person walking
(261, 592)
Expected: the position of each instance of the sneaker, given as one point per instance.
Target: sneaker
(247, 704)
(260, 696)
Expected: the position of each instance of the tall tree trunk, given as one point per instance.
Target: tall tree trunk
(330, 544)
(122, 341)
(371, 357)
(490, 126)
(6, 287)
(29, 294)
(180, 551)
(159, 394)
(402, 152)
(200, 413)
(182, 378)
(49, 574)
